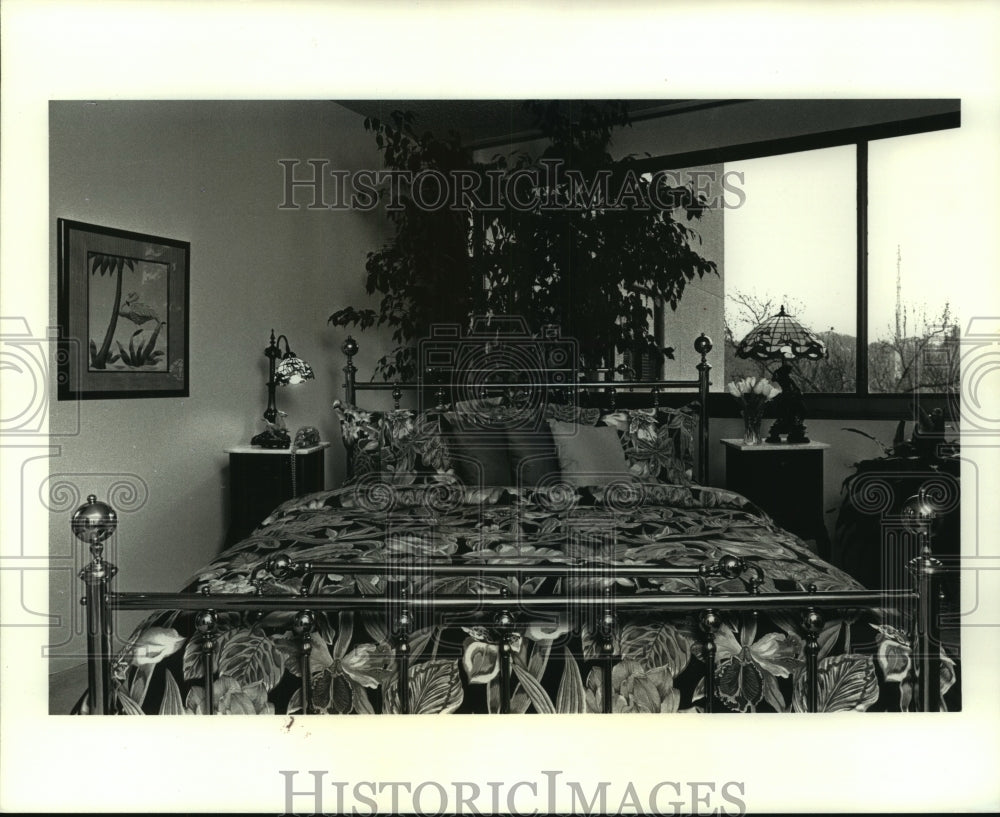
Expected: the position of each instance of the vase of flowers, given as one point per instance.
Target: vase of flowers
(752, 394)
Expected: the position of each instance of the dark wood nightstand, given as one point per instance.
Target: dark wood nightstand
(260, 479)
(786, 481)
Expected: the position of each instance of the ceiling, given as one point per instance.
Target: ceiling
(491, 122)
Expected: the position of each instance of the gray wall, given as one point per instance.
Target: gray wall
(208, 173)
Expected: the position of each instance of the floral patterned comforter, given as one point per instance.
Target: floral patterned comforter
(865, 664)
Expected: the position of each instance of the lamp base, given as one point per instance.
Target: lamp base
(272, 438)
(797, 437)
(796, 434)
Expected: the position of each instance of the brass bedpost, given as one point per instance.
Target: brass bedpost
(350, 348)
(403, 622)
(709, 622)
(607, 652)
(703, 345)
(505, 621)
(93, 523)
(206, 623)
(920, 514)
(812, 623)
(303, 625)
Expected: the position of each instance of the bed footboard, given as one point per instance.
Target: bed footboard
(94, 522)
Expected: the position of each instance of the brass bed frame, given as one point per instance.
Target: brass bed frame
(94, 522)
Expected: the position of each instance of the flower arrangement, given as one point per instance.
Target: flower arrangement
(752, 394)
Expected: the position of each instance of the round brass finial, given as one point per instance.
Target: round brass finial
(709, 621)
(918, 512)
(730, 566)
(94, 521)
(703, 344)
(812, 621)
(279, 565)
(349, 347)
(205, 622)
(303, 622)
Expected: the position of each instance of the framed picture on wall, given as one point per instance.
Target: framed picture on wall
(122, 313)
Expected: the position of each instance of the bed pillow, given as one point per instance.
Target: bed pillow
(477, 455)
(400, 446)
(533, 456)
(589, 455)
(500, 450)
(658, 443)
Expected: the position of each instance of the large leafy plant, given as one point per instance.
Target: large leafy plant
(598, 250)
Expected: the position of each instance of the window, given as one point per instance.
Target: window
(792, 243)
(848, 228)
(916, 264)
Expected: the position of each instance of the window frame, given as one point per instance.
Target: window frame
(861, 404)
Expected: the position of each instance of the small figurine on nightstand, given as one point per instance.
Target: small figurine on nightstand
(275, 435)
(790, 410)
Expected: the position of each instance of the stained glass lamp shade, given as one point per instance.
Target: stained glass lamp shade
(783, 338)
(292, 371)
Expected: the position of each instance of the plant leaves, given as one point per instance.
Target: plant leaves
(772, 694)
(656, 645)
(129, 705)
(845, 683)
(540, 651)
(140, 683)
(171, 703)
(435, 688)
(249, 657)
(571, 697)
(529, 684)
(362, 705)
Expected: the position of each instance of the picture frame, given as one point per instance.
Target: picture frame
(123, 314)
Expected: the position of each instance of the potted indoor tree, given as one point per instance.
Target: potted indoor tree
(597, 249)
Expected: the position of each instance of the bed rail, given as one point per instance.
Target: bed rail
(94, 522)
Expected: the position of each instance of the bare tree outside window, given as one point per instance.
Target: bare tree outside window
(916, 352)
(834, 374)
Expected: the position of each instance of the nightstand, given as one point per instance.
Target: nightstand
(786, 481)
(260, 479)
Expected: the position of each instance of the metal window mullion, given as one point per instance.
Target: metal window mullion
(861, 355)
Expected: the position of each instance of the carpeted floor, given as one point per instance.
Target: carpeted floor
(65, 689)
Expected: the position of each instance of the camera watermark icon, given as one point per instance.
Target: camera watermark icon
(27, 383)
(978, 360)
(497, 376)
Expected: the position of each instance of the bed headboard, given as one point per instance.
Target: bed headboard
(500, 356)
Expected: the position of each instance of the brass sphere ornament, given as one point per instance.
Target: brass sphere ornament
(730, 566)
(279, 565)
(349, 347)
(303, 623)
(812, 621)
(703, 344)
(94, 521)
(709, 621)
(205, 622)
(919, 512)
